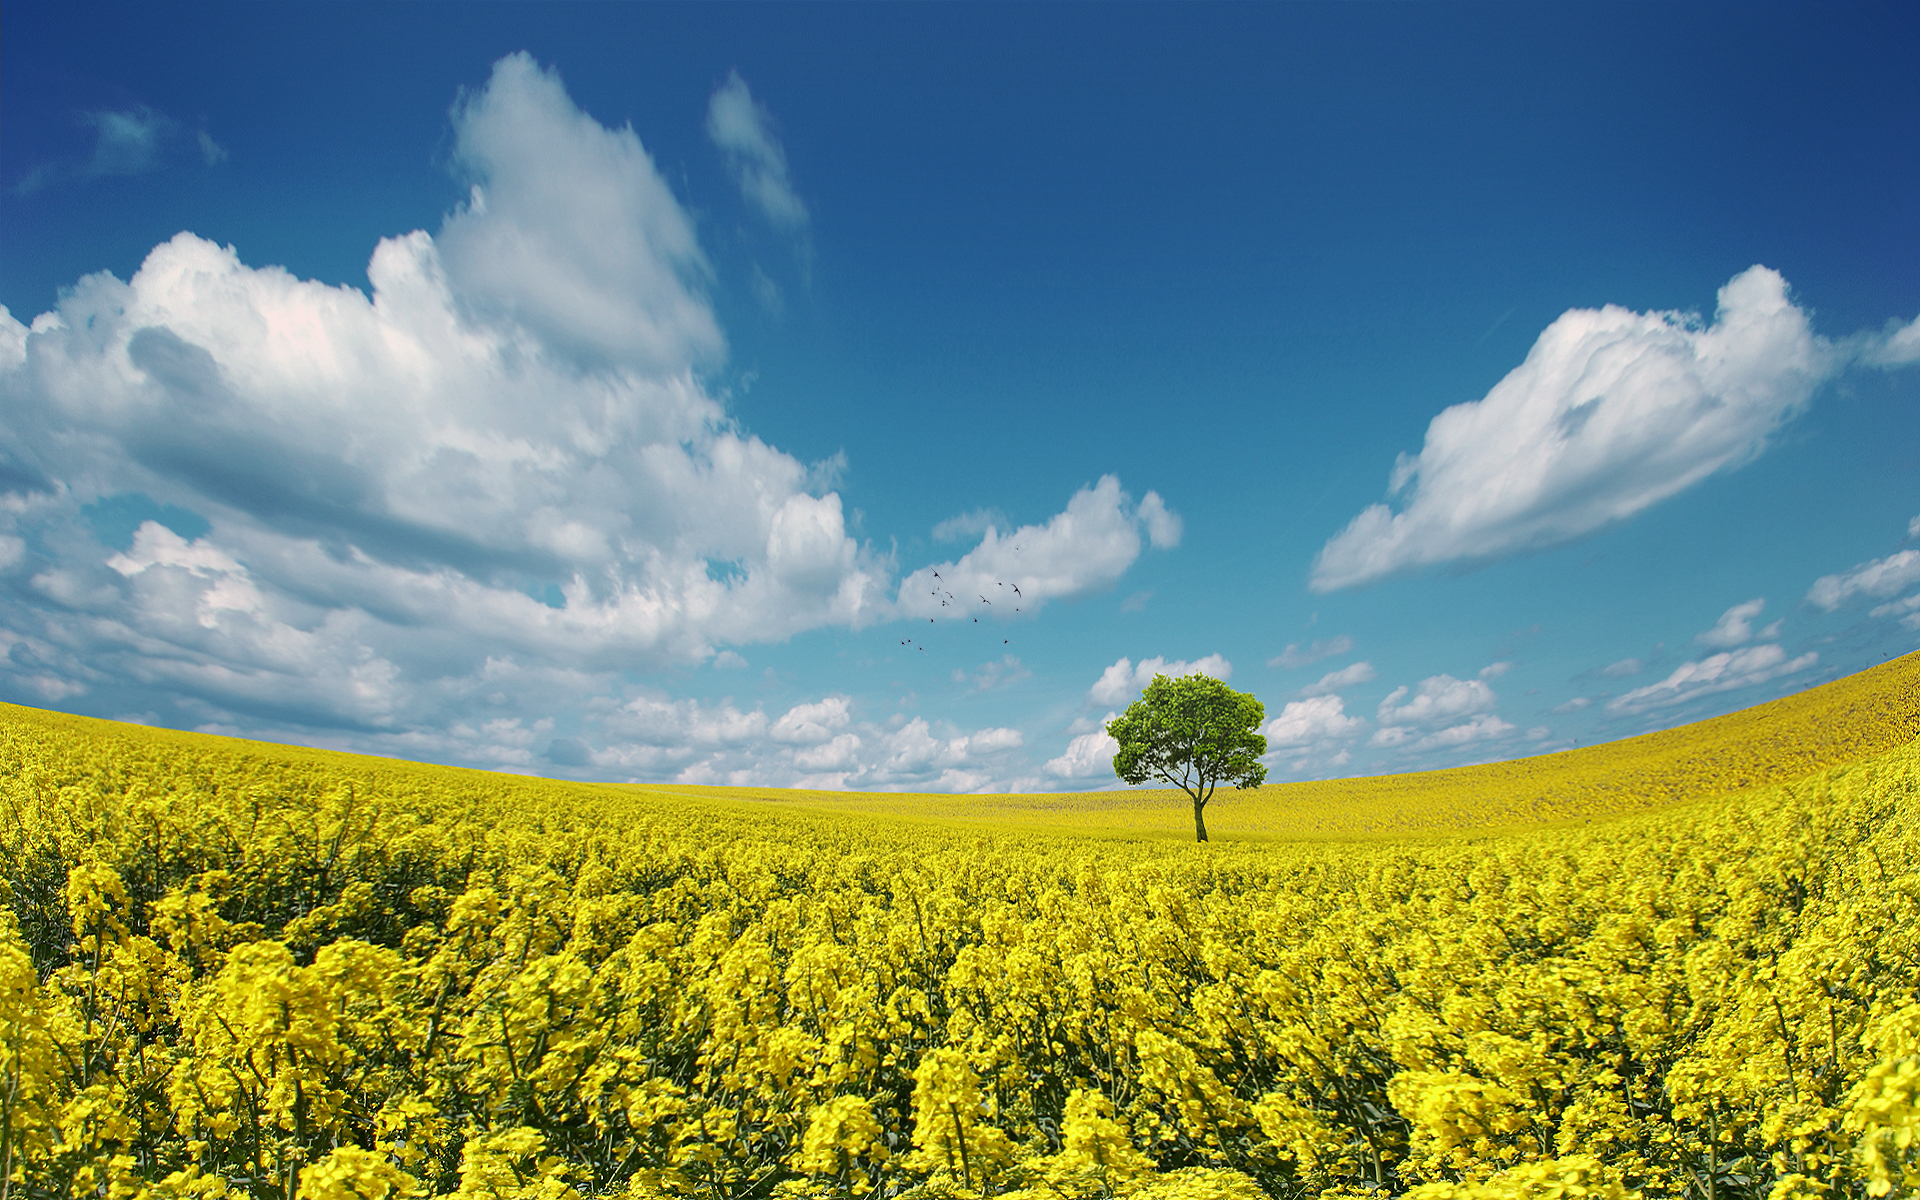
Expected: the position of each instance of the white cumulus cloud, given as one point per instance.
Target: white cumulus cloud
(841, 753)
(810, 724)
(417, 457)
(1305, 722)
(500, 453)
(453, 513)
(1453, 711)
(1163, 524)
(1123, 682)
(1082, 549)
(1088, 756)
(1611, 412)
(681, 727)
(221, 583)
(918, 757)
(1437, 699)
(569, 232)
(813, 744)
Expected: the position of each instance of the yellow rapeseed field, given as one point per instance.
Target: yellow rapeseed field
(1848, 719)
(1684, 965)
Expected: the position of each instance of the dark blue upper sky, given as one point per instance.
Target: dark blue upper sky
(1237, 256)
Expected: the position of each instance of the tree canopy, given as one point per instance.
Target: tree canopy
(1195, 733)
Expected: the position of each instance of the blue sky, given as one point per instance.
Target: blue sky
(594, 389)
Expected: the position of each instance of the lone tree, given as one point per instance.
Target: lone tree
(1194, 732)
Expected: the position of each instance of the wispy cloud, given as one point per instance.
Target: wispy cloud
(1908, 610)
(1734, 626)
(1294, 656)
(1716, 673)
(126, 142)
(969, 525)
(766, 291)
(1479, 728)
(1878, 577)
(1897, 346)
(989, 676)
(1333, 681)
(743, 130)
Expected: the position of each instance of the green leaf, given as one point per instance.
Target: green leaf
(1193, 732)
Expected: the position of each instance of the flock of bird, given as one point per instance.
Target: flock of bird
(947, 600)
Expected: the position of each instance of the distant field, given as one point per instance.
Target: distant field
(1855, 717)
(1851, 718)
(1682, 967)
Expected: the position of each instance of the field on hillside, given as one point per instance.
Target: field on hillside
(236, 969)
(1848, 719)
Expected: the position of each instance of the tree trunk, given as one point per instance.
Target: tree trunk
(1199, 821)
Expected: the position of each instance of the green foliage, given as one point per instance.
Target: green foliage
(1193, 732)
